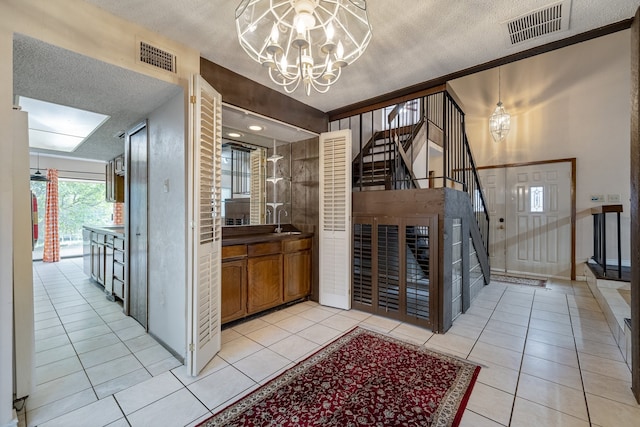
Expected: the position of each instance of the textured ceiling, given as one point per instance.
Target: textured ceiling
(52, 74)
(421, 41)
(413, 40)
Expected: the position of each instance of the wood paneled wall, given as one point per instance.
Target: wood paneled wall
(245, 93)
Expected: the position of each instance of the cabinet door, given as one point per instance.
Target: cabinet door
(95, 261)
(108, 181)
(118, 288)
(234, 288)
(108, 268)
(118, 188)
(264, 282)
(119, 168)
(297, 275)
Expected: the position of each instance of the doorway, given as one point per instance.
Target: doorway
(532, 216)
(136, 152)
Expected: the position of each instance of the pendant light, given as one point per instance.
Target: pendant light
(38, 175)
(500, 120)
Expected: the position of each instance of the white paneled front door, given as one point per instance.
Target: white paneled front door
(530, 215)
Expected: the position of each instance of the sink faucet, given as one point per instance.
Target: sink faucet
(279, 228)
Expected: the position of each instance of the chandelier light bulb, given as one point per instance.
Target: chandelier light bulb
(330, 32)
(275, 34)
(303, 42)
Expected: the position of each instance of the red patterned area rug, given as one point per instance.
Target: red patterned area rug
(362, 378)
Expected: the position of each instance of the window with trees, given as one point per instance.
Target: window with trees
(79, 203)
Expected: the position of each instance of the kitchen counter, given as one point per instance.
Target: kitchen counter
(115, 230)
(246, 235)
(104, 258)
(264, 237)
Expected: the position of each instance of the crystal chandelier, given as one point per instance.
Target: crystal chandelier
(308, 41)
(500, 120)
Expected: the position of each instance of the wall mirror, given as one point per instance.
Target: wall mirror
(256, 167)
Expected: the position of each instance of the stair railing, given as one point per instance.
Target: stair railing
(391, 154)
(459, 164)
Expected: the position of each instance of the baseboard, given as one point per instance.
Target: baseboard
(14, 421)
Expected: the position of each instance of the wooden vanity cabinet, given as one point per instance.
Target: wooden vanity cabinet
(297, 269)
(264, 276)
(260, 276)
(234, 283)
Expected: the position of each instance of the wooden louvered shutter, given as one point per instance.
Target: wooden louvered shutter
(204, 298)
(335, 219)
(257, 201)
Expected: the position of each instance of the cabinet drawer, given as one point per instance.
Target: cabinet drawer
(109, 240)
(296, 245)
(118, 243)
(118, 271)
(98, 238)
(118, 256)
(234, 251)
(118, 288)
(268, 248)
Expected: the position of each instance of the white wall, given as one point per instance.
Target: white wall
(68, 167)
(572, 102)
(81, 28)
(22, 264)
(167, 225)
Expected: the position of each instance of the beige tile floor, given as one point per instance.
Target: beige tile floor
(548, 358)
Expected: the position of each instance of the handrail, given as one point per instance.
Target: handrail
(391, 151)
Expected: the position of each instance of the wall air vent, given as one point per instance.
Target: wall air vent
(157, 57)
(533, 25)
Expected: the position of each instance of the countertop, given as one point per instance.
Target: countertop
(248, 239)
(115, 230)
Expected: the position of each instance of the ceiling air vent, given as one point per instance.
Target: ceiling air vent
(539, 23)
(157, 57)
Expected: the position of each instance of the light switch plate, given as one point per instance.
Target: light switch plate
(597, 198)
(613, 198)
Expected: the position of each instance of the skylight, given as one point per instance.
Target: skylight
(57, 127)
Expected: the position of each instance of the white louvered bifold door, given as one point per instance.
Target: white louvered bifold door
(335, 219)
(257, 200)
(204, 301)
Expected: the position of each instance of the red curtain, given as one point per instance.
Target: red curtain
(51, 237)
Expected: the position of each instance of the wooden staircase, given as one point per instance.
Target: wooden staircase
(385, 156)
(402, 258)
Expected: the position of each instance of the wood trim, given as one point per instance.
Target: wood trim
(532, 163)
(244, 93)
(573, 217)
(373, 104)
(573, 162)
(421, 89)
(635, 207)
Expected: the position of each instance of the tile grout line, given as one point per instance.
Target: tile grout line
(573, 334)
(67, 334)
